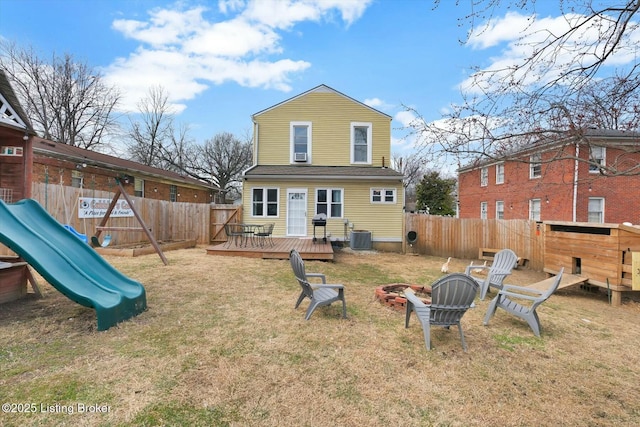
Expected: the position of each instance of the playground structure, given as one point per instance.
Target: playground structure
(95, 239)
(68, 264)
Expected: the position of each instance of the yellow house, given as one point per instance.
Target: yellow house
(322, 152)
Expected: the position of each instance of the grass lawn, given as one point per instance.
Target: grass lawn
(221, 345)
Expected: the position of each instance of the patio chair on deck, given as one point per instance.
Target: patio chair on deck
(451, 297)
(504, 261)
(234, 232)
(319, 294)
(263, 234)
(530, 299)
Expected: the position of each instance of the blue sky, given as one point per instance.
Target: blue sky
(222, 61)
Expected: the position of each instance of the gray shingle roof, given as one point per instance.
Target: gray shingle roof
(322, 172)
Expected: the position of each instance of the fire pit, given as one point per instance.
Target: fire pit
(393, 295)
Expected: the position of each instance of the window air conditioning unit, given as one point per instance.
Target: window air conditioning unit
(300, 157)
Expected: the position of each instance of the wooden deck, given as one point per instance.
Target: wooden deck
(280, 250)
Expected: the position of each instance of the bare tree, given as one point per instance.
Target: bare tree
(554, 94)
(150, 136)
(66, 101)
(222, 158)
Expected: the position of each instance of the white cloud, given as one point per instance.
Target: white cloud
(186, 51)
(517, 37)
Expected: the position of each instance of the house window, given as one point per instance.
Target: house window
(499, 209)
(597, 158)
(329, 202)
(383, 195)
(483, 210)
(138, 187)
(361, 142)
(535, 166)
(500, 173)
(534, 209)
(173, 193)
(484, 177)
(76, 179)
(596, 210)
(264, 202)
(300, 135)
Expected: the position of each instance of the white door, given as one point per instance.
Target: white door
(296, 212)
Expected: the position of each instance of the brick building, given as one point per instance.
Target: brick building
(25, 159)
(547, 182)
(73, 166)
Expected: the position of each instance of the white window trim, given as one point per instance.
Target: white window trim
(601, 206)
(500, 177)
(484, 210)
(137, 181)
(292, 140)
(329, 201)
(604, 158)
(265, 202)
(533, 164)
(531, 202)
(484, 177)
(499, 204)
(383, 196)
(369, 141)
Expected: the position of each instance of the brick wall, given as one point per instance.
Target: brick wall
(53, 170)
(554, 188)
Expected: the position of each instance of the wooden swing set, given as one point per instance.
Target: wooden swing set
(120, 191)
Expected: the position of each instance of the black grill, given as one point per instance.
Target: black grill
(319, 220)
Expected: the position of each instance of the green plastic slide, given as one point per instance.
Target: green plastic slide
(68, 264)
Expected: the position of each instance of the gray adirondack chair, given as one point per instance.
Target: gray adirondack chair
(451, 297)
(522, 302)
(319, 294)
(504, 261)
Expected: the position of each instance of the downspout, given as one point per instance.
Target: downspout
(575, 182)
(255, 143)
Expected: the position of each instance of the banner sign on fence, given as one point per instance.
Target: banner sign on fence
(92, 207)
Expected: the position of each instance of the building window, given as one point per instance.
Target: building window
(361, 142)
(500, 173)
(300, 135)
(499, 209)
(534, 209)
(535, 166)
(597, 158)
(264, 202)
(484, 177)
(483, 210)
(596, 210)
(329, 202)
(173, 193)
(138, 187)
(76, 179)
(383, 195)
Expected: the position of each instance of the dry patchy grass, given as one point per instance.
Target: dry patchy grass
(221, 345)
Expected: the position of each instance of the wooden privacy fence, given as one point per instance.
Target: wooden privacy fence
(462, 238)
(168, 220)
